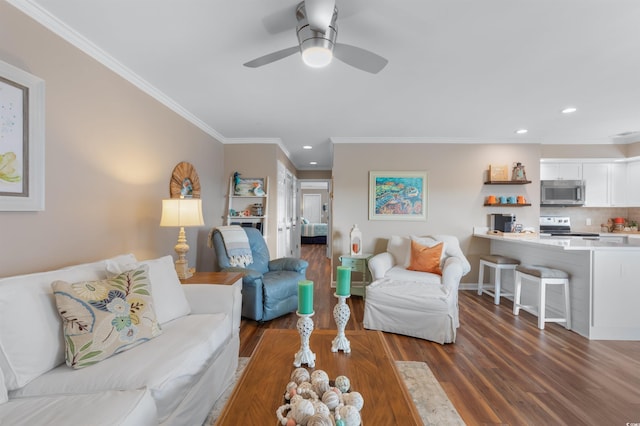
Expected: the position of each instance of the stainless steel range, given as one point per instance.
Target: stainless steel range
(560, 226)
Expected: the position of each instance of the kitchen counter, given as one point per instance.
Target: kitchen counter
(604, 285)
(571, 243)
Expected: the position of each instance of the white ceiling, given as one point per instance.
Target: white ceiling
(459, 70)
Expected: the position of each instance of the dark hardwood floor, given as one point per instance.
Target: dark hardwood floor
(501, 369)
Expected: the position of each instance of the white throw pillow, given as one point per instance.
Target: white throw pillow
(400, 249)
(169, 299)
(34, 344)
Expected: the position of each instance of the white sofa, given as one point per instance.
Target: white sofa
(414, 303)
(173, 379)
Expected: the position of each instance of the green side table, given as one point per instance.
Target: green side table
(359, 264)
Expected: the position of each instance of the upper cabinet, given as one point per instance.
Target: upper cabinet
(596, 177)
(619, 189)
(607, 183)
(633, 184)
(560, 171)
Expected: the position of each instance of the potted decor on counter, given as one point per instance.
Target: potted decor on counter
(633, 226)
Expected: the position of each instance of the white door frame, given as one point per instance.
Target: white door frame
(329, 210)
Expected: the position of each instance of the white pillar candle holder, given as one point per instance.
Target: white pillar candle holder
(341, 314)
(305, 328)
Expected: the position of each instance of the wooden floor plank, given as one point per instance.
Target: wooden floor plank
(502, 368)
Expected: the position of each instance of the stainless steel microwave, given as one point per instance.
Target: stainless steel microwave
(562, 192)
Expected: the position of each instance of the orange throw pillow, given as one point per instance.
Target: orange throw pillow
(425, 258)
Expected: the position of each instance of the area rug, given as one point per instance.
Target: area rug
(430, 399)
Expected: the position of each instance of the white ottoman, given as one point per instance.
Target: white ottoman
(412, 308)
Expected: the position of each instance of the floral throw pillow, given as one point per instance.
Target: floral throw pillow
(103, 318)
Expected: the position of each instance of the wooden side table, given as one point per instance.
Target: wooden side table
(231, 279)
(360, 264)
(220, 278)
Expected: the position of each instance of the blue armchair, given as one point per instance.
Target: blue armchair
(269, 287)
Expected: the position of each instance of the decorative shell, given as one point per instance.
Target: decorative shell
(343, 383)
(331, 399)
(350, 415)
(319, 374)
(319, 420)
(295, 399)
(321, 408)
(354, 399)
(291, 390)
(320, 385)
(300, 375)
(306, 391)
(301, 411)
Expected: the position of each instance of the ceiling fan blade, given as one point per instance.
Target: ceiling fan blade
(272, 57)
(319, 13)
(359, 58)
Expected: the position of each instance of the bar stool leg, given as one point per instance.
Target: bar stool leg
(481, 278)
(542, 303)
(567, 305)
(516, 293)
(496, 289)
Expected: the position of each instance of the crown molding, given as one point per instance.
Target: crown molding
(276, 141)
(43, 17)
(488, 141)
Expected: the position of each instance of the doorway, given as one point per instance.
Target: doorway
(314, 197)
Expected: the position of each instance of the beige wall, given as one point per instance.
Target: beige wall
(314, 174)
(110, 151)
(584, 151)
(633, 150)
(456, 174)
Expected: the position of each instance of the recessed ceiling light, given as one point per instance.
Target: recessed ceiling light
(521, 131)
(569, 110)
(313, 163)
(307, 147)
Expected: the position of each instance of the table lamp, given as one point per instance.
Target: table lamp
(182, 212)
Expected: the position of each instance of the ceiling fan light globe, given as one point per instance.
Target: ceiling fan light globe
(317, 56)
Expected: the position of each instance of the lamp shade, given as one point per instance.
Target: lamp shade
(182, 212)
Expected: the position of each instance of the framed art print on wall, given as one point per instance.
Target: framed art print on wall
(397, 195)
(21, 140)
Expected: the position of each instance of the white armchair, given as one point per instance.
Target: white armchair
(414, 303)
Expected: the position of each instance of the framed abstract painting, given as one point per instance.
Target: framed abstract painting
(397, 195)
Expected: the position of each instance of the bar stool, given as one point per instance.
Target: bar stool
(498, 263)
(543, 276)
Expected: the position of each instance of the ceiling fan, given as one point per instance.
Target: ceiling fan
(317, 32)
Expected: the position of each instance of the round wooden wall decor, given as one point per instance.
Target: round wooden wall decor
(184, 181)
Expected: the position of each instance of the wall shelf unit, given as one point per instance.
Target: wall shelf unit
(507, 182)
(246, 208)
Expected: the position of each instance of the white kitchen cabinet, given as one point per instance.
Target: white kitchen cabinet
(607, 183)
(596, 177)
(552, 170)
(615, 290)
(633, 184)
(618, 187)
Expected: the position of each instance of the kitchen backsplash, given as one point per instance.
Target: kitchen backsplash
(598, 215)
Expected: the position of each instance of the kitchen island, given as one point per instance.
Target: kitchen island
(604, 280)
